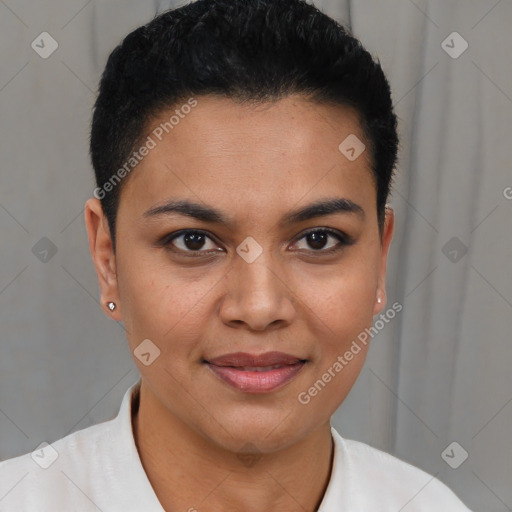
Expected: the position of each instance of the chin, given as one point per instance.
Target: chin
(265, 431)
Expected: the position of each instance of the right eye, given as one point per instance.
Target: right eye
(190, 241)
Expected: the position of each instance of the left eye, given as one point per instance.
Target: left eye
(318, 239)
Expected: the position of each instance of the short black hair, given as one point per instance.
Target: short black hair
(246, 50)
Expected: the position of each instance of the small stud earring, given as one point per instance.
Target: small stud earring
(111, 305)
(379, 300)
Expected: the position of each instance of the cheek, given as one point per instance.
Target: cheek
(340, 313)
(344, 297)
(163, 304)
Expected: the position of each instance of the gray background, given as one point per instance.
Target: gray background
(438, 373)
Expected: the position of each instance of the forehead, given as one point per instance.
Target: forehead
(257, 156)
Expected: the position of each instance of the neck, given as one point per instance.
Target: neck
(189, 472)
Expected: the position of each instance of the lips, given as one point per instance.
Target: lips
(241, 359)
(256, 373)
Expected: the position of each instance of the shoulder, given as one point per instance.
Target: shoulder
(382, 480)
(96, 468)
(33, 480)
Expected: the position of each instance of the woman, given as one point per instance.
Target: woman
(243, 154)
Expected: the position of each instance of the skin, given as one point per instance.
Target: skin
(254, 164)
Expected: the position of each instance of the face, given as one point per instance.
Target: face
(249, 292)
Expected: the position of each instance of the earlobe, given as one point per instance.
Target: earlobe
(380, 301)
(387, 236)
(103, 256)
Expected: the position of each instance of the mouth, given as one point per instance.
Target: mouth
(256, 373)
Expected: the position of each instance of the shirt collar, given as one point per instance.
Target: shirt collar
(126, 458)
(341, 489)
(336, 496)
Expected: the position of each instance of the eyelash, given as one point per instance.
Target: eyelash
(166, 242)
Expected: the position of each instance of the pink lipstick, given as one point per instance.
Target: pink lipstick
(256, 373)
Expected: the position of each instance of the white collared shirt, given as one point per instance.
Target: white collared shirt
(98, 469)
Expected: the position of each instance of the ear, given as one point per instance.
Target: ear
(102, 252)
(387, 235)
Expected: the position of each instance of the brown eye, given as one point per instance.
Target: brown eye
(191, 241)
(194, 241)
(318, 240)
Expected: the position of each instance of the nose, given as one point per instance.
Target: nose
(257, 296)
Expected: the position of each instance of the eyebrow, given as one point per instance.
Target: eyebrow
(204, 213)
